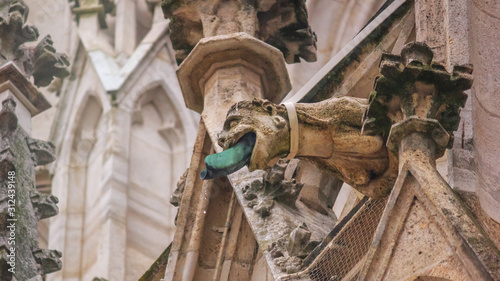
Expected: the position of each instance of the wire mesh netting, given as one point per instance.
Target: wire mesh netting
(342, 258)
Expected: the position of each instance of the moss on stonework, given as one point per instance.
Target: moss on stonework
(378, 123)
(157, 270)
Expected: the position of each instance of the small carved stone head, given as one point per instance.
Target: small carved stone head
(267, 121)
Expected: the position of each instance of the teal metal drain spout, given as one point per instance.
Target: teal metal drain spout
(229, 161)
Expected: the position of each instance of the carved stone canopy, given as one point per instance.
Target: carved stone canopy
(280, 23)
(41, 61)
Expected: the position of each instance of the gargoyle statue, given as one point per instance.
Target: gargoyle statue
(329, 135)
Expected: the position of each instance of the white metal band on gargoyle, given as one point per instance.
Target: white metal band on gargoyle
(294, 129)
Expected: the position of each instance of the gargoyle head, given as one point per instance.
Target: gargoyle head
(267, 121)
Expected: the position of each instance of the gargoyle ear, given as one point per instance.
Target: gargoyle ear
(279, 121)
(268, 106)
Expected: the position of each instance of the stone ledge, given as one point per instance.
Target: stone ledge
(11, 78)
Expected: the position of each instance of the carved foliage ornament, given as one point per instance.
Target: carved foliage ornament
(280, 23)
(21, 203)
(412, 86)
(41, 61)
(260, 194)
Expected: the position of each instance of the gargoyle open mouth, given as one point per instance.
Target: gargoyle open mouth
(230, 160)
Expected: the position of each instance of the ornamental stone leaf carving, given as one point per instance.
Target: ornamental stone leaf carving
(280, 23)
(41, 61)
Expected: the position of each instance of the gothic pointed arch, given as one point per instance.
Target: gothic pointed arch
(86, 142)
(158, 157)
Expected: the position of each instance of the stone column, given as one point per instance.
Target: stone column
(21, 206)
(226, 54)
(125, 33)
(420, 102)
(223, 70)
(431, 26)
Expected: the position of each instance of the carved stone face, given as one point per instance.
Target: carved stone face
(265, 120)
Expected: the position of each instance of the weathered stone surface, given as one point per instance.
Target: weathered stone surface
(48, 64)
(289, 264)
(42, 152)
(422, 125)
(8, 117)
(282, 24)
(484, 38)
(282, 190)
(413, 85)
(329, 136)
(45, 205)
(157, 270)
(260, 194)
(20, 206)
(49, 260)
(23, 90)
(299, 243)
(425, 230)
(243, 66)
(490, 226)
(262, 207)
(176, 197)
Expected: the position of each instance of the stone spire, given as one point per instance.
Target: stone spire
(21, 206)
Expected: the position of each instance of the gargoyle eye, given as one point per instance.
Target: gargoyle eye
(231, 122)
